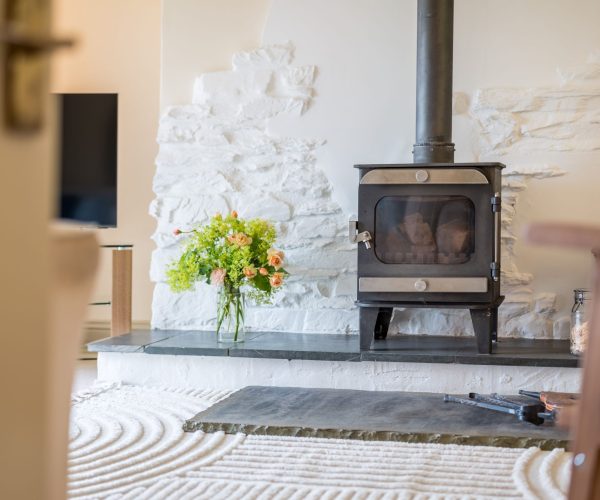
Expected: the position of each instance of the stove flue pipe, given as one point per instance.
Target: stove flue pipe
(434, 82)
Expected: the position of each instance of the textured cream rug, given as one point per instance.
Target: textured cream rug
(127, 443)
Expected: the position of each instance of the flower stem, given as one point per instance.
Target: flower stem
(230, 308)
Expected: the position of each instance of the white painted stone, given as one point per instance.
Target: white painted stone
(275, 319)
(267, 207)
(193, 310)
(545, 303)
(562, 328)
(234, 373)
(451, 322)
(331, 320)
(217, 154)
(530, 120)
(314, 227)
(161, 259)
(529, 325)
(346, 285)
(272, 56)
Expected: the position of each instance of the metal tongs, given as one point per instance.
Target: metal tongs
(533, 412)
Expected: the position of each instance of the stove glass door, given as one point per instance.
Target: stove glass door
(425, 229)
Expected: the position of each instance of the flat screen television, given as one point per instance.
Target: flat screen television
(88, 158)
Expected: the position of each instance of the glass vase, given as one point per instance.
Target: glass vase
(230, 315)
(580, 325)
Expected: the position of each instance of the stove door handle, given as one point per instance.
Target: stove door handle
(355, 237)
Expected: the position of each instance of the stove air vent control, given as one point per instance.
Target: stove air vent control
(421, 175)
(420, 285)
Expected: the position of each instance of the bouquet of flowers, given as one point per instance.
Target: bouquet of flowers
(235, 255)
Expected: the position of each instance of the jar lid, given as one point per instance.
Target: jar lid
(581, 293)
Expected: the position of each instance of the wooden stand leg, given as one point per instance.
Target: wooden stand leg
(483, 324)
(121, 291)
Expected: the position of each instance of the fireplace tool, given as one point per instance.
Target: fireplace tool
(545, 407)
(532, 412)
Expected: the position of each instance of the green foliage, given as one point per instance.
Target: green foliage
(229, 251)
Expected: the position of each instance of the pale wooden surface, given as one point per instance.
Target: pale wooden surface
(585, 477)
(73, 256)
(121, 291)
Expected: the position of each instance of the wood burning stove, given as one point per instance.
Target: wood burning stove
(430, 237)
(429, 232)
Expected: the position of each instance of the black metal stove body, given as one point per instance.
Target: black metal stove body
(429, 236)
(429, 232)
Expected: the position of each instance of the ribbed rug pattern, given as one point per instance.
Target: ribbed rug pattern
(126, 442)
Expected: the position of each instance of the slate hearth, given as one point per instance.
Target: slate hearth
(371, 415)
(280, 345)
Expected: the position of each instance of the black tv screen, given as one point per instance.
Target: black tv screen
(88, 158)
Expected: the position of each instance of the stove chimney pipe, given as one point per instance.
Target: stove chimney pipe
(434, 82)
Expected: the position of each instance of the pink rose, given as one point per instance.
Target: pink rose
(263, 271)
(217, 277)
(276, 280)
(275, 258)
(176, 232)
(239, 239)
(249, 272)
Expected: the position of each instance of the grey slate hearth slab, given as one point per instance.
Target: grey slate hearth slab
(336, 347)
(131, 342)
(299, 346)
(196, 343)
(369, 415)
(462, 350)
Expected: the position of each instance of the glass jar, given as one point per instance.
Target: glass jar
(230, 315)
(580, 324)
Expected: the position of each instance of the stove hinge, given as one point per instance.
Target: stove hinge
(496, 202)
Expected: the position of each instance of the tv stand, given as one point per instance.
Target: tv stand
(121, 289)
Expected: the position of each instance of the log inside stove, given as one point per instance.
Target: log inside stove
(426, 233)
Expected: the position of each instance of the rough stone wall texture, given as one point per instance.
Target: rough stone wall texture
(217, 155)
(514, 122)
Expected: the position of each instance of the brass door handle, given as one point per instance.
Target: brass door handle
(33, 42)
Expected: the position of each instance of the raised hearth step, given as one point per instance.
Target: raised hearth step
(328, 347)
(415, 417)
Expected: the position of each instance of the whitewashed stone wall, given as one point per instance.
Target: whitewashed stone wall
(523, 123)
(216, 155)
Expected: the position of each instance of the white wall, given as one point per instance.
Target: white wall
(363, 107)
(118, 50)
(366, 54)
(200, 36)
(365, 51)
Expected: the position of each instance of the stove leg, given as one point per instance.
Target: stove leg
(368, 318)
(374, 324)
(382, 325)
(485, 323)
